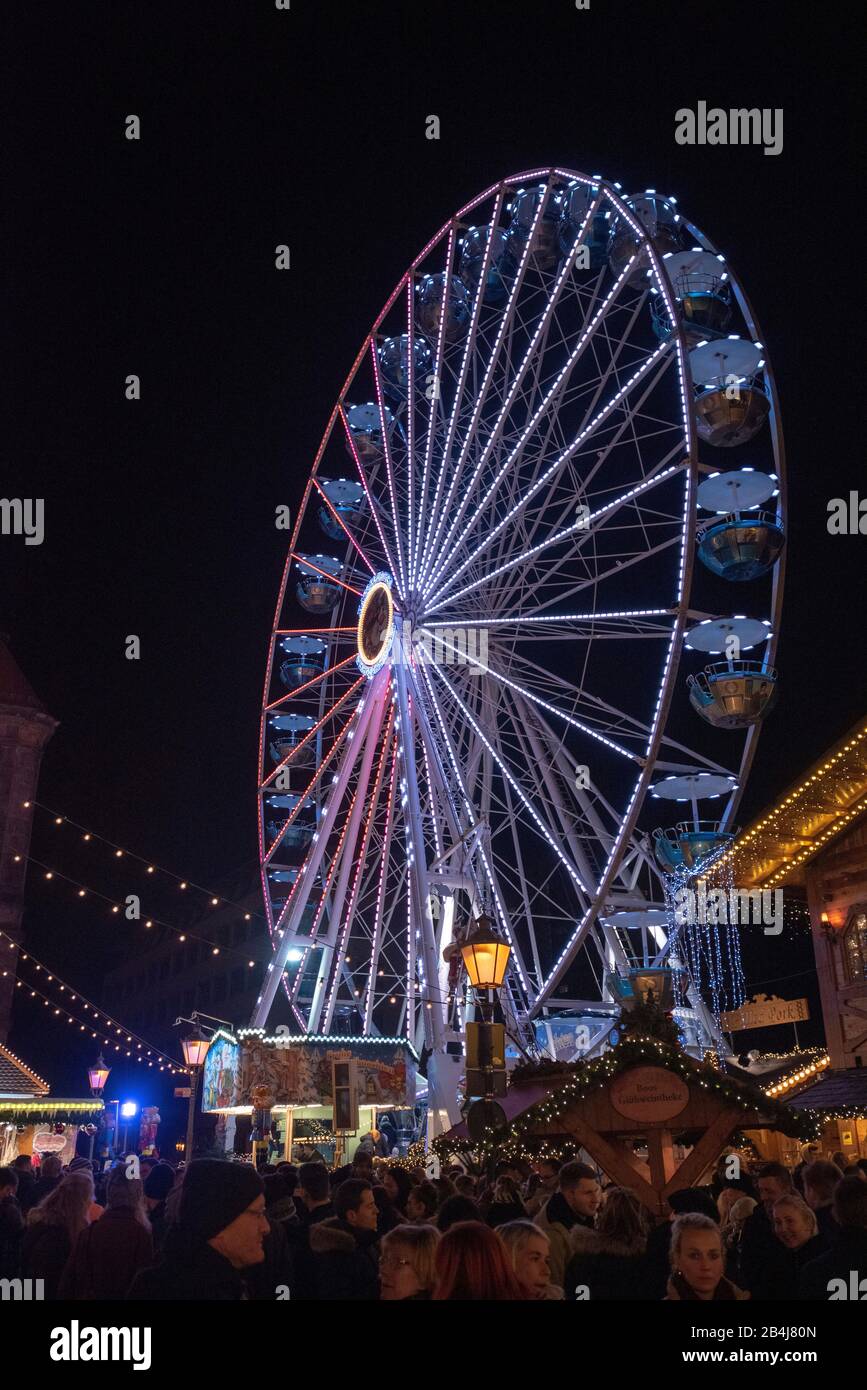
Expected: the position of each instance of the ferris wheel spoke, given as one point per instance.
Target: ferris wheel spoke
(460, 386)
(542, 423)
(438, 721)
(314, 681)
(339, 930)
(536, 819)
(584, 477)
(435, 406)
(488, 376)
(554, 393)
(571, 532)
(550, 476)
(398, 570)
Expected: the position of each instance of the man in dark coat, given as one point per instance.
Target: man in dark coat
(575, 1203)
(820, 1280)
(764, 1259)
(219, 1233)
(314, 1205)
(11, 1224)
(345, 1249)
(820, 1183)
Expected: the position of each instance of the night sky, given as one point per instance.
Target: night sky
(156, 257)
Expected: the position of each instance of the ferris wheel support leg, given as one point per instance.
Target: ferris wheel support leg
(443, 1107)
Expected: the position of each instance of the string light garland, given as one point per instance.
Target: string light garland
(34, 1112)
(149, 921)
(74, 995)
(216, 900)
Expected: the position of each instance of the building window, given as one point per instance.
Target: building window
(855, 947)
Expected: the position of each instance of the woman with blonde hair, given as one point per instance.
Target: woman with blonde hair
(53, 1228)
(529, 1250)
(407, 1263)
(698, 1262)
(797, 1228)
(108, 1254)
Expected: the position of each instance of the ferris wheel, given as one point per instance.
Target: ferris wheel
(485, 689)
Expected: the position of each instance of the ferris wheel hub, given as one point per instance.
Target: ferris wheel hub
(375, 631)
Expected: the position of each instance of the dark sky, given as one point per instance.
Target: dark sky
(156, 257)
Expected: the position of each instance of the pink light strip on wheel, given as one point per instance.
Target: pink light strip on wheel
(340, 522)
(374, 512)
(314, 680)
(332, 578)
(377, 917)
(397, 571)
(349, 909)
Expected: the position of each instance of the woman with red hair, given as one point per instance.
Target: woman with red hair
(472, 1263)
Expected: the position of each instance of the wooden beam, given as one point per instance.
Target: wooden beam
(706, 1150)
(614, 1164)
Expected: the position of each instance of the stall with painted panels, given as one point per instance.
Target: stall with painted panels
(306, 1093)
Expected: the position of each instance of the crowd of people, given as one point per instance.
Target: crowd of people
(218, 1230)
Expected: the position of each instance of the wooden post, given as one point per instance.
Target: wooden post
(287, 1138)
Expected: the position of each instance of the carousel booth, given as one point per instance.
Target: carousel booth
(34, 1122)
(290, 1096)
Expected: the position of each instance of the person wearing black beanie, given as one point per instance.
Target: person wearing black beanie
(219, 1232)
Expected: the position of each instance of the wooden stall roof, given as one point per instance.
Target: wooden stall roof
(814, 810)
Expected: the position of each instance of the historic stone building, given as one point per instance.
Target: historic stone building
(25, 728)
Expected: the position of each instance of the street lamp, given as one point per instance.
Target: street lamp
(195, 1051)
(486, 955)
(97, 1075)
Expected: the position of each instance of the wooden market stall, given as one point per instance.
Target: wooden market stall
(653, 1119)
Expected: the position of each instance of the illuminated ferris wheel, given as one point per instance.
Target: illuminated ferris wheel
(475, 699)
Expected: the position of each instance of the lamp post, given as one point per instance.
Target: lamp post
(195, 1051)
(486, 958)
(97, 1075)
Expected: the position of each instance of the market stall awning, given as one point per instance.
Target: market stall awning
(842, 1093)
(17, 1080)
(516, 1100)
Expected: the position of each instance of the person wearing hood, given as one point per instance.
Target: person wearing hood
(698, 1262)
(575, 1203)
(219, 1233)
(609, 1262)
(345, 1249)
